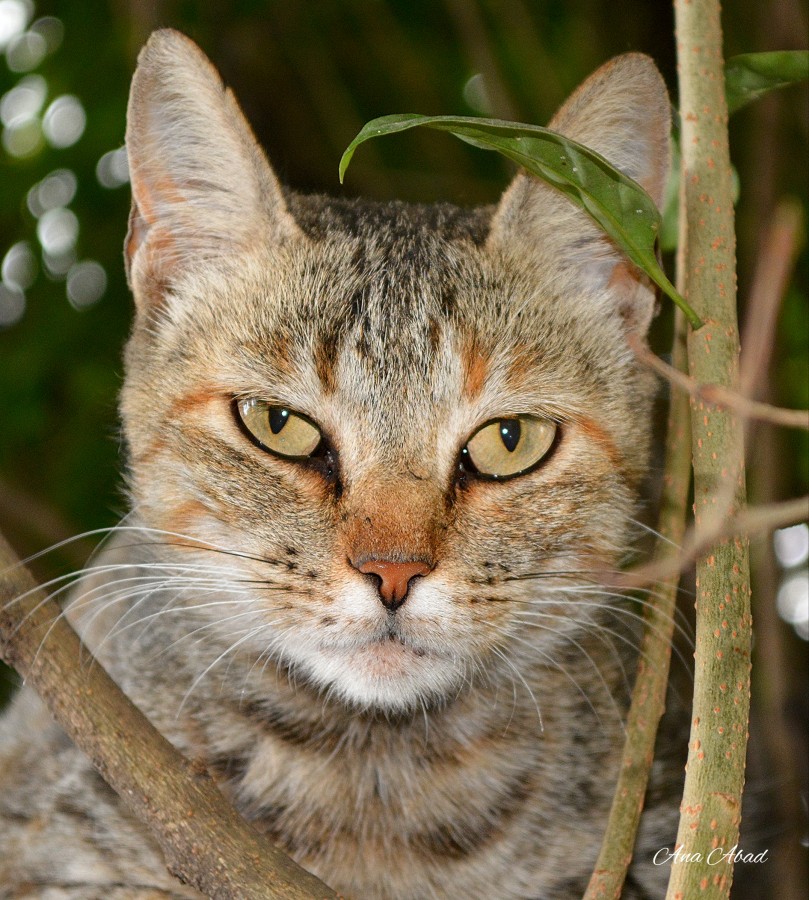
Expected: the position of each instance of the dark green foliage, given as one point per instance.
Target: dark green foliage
(751, 75)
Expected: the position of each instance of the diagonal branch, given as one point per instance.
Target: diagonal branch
(782, 240)
(205, 841)
(649, 692)
(752, 521)
(720, 396)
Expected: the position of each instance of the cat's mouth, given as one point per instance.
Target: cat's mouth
(387, 666)
(387, 656)
(386, 653)
(393, 634)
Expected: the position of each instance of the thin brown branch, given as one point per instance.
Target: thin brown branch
(205, 841)
(776, 260)
(751, 522)
(649, 692)
(719, 396)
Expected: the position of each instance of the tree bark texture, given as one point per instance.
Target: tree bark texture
(206, 843)
(711, 806)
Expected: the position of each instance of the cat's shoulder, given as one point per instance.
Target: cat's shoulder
(65, 833)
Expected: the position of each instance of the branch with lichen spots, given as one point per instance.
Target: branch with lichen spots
(710, 812)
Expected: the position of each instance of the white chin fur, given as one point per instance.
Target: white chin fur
(384, 675)
(358, 664)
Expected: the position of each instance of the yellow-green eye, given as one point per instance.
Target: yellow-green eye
(278, 429)
(508, 447)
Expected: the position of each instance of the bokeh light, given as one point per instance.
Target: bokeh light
(19, 266)
(792, 545)
(112, 170)
(19, 109)
(12, 305)
(86, 283)
(29, 124)
(24, 101)
(51, 30)
(793, 602)
(14, 18)
(476, 94)
(58, 230)
(57, 265)
(24, 139)
(26, 51)
(64, 121)
(56, 189)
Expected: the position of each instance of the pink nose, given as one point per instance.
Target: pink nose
(394, 578)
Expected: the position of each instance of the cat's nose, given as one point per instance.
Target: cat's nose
(394, 578)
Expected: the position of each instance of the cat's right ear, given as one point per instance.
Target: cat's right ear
(621, 112)
(202, 188)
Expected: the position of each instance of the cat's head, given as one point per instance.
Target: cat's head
(417, 429)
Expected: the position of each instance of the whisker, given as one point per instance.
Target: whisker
(629, 613)
(257, 630)
(566, 637)
(519, 674)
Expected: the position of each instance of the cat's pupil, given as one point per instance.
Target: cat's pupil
(278, 418)
(510, 433)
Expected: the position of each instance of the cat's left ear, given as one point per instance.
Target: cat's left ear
(622, 111)
(202, 189)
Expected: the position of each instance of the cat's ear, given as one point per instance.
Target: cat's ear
(202, 188)
(622, 112)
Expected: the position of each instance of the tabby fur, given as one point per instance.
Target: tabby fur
(465, 745)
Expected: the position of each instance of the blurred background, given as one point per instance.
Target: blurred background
(308, 75)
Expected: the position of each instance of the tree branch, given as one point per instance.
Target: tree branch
(205, 841)
(753, 521)
(710, 812)
(720, 396)
(649, 691)
(780, 245)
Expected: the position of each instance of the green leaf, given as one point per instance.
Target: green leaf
(749, 76)
(616, 203)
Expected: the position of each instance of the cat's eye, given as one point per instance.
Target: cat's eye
(508, 447)
(278, 429)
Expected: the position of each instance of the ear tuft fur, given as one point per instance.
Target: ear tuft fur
(622, 112)
(201, 186)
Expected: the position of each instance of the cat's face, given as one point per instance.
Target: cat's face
(418, 430)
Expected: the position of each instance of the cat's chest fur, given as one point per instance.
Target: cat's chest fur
(485, 796)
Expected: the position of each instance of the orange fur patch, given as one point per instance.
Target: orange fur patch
(179, 408)
(476, 369)
(395, 524)
(523, 359)
(598, 436)
(189, 402)
(624, 275)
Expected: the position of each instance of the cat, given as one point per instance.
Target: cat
(378, 454)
